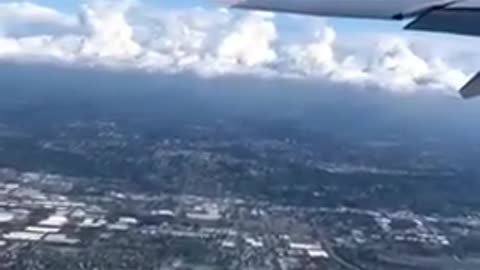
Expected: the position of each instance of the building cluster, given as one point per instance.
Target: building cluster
(31, 214)
(50, 210)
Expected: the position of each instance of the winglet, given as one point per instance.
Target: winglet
(471, 88)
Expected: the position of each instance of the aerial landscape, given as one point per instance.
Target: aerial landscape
(140, 137)
(151, 178)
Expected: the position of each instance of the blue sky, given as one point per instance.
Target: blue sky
(73, 4)
(343, 25)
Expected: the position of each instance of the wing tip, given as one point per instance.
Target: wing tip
(472, 88)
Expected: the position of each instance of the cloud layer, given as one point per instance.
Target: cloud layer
(129, 34)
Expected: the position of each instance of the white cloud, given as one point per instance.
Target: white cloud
(39, 46)
(214, 42)
(249, 42)
(406, 70)
(29, 12)
(316, 57)
(24, 18)
(109, 33)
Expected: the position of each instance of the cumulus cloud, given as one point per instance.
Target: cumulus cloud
(25, 11)
(249, 43)
(315, 57)
(24, 18)
(215, 42)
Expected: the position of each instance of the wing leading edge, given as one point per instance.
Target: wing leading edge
(448, 16)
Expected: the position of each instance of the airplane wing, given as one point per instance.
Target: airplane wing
(449, 16)
(472, 88)
(452, 16)
(375, 9)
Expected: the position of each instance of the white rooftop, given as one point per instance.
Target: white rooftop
(228, 244)
(204, 216)
(6, 217)
(78, 213)
(313, 250)
(128, 220)
(163, 212)
(305, 246)
(42, 229)
(93, 222)
(60, 239)
(253, 242)
(118, 227)
(54, 221)
(317, 253)
(23, 236)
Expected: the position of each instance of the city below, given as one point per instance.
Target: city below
(171, 180)
(231, 204)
